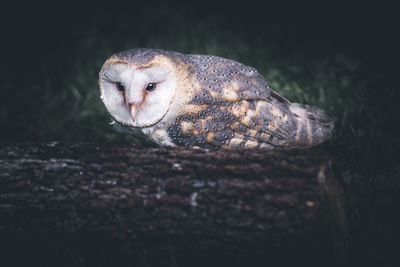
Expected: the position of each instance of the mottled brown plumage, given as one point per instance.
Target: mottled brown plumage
(215, 103)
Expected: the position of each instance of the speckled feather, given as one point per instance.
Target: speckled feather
(221, 103)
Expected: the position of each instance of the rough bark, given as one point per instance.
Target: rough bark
(156, 199)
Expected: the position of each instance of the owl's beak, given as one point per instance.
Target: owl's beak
(134, 108)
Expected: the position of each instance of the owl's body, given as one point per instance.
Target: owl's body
(205, 101)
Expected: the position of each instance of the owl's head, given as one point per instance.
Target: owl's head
(137, 86)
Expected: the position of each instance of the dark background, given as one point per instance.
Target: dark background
(340, 57)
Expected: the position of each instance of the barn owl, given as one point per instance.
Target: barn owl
(205, 101)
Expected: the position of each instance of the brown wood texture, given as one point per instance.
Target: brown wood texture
(251, 202)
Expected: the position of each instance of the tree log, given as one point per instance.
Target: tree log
(276, 205)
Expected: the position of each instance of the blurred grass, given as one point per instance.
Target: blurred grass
(58, 96)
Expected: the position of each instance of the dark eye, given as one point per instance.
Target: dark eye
(151, 86)
(120, 87)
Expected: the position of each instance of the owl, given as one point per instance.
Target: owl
(205, 101)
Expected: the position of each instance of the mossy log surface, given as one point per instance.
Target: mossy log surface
(156, 199)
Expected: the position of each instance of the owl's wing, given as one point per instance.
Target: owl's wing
(233, 107)
(221, 79)
(240, 124)
(241, 110)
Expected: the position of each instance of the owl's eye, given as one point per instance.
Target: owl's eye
(120, 87)
(151, 86)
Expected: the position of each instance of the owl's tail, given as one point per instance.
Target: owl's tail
(314, 126)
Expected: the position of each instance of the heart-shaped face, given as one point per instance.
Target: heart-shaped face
(137, 96)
